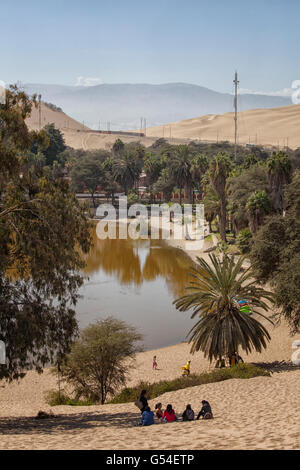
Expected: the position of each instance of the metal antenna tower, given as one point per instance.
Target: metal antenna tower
(236, 82)
(40, 112)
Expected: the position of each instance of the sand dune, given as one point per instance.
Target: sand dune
(260, 413)
(61, 120)
(269, 127)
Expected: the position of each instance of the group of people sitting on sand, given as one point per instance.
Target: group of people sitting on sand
(168, 415)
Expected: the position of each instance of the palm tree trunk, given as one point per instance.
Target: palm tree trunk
(223, 219)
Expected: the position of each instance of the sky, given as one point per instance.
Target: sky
(202, 42)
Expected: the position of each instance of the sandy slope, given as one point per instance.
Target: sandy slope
(277, 126)
(273, 127)
(260, 413)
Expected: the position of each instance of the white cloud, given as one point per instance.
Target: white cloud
(284, 92)
(88, 81)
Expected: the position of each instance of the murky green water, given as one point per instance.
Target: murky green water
(137, 282)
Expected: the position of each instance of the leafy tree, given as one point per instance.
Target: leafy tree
(199, 167)
(180, 170)
(118, 146)
(86, 174)
(127, 170)
(101, 358)
(244, 240)
(219, 170)
(222, 328)
(258, 205)
(43, 232)
(240, 188)
(211, 203)
(108, 182)
(153, 165)
(249, 161)
(275, 256)
(56, 144)
(279, 168)
(165, 184)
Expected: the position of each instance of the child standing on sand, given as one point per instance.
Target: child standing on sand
(154, 365)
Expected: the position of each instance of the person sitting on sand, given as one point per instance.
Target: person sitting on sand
(147, 417)
(169, 415)
(159, 411)
(205, 411)
(144, 400)
(188, 414)
(154, 365)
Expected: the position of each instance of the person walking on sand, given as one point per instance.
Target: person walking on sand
(154, 365)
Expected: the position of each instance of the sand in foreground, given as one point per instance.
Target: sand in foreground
(259, 413)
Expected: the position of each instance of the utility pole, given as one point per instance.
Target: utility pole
(236, 82)
(40, 112)
(145, 126)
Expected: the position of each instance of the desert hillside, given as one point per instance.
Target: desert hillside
(268, 127)
(277, 126)
(48, 115)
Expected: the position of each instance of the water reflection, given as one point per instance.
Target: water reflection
(137, 281)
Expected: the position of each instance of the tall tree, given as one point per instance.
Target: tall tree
(101, 358)
(165, 184)
(56, 144)
(153, 165)
(240, 188)
(279, 168)
(199, 167)
(43, 233)
(219, 170)
(86, 174)
(180, 170)
(275, 256)
(213, 294)
(258, 206)
(127, 170)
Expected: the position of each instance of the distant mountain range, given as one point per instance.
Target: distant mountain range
(123, 105)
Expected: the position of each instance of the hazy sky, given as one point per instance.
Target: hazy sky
(152, 41)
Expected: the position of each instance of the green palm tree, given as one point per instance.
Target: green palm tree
(222, 328)
(180, 170)
(126, 170)
(279, 169)
(199, 166)
(218, 172)
(258, 205)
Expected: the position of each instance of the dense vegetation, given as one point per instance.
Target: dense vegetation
(42, 229)
(252, 202)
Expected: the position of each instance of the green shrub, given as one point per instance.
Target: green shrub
(56, 398)
(240, 371)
